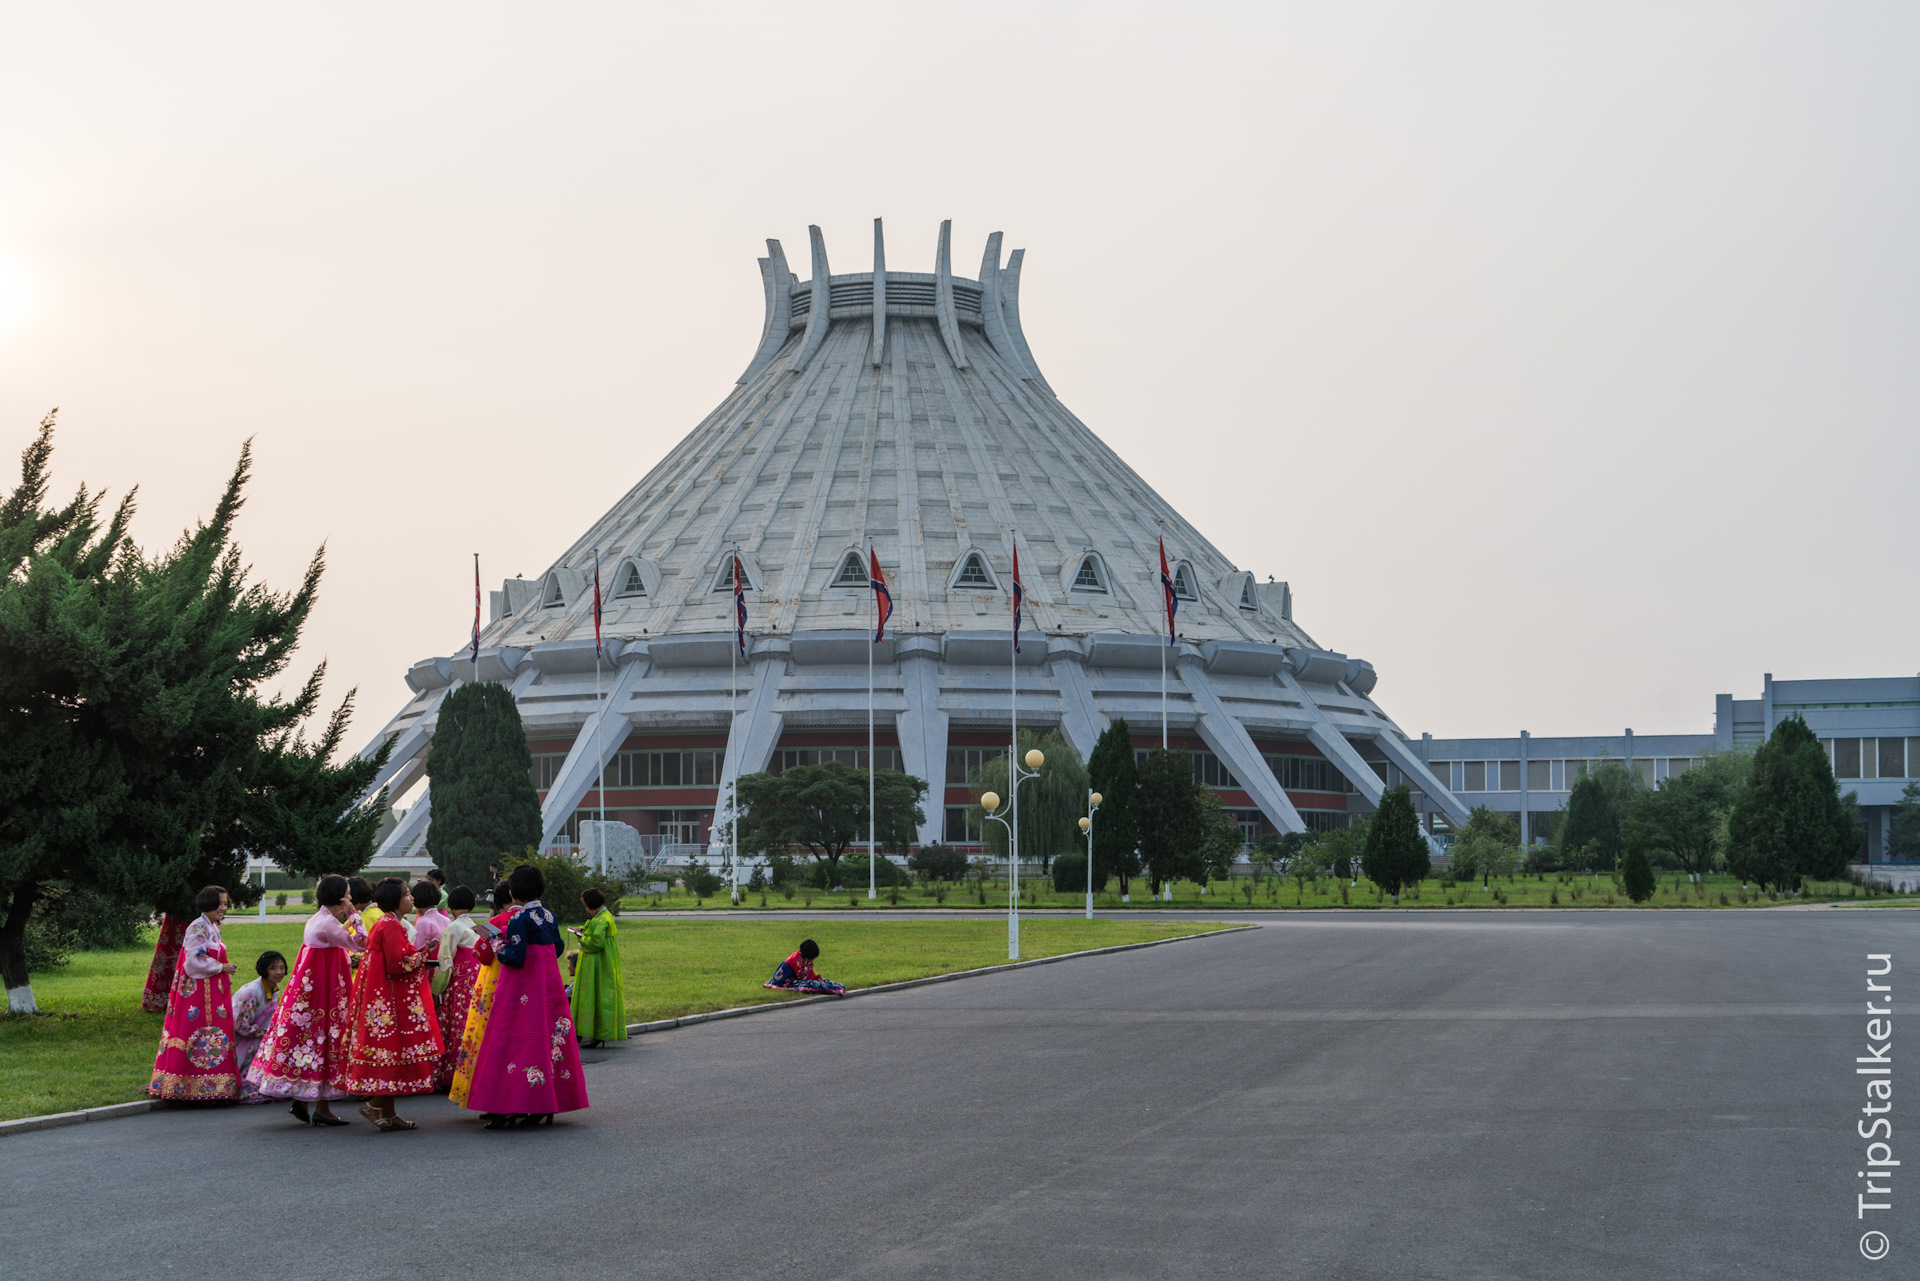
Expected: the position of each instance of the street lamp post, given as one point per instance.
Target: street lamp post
(990, 802)
(1086, 825)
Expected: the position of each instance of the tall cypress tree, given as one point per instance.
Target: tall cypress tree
(1791, 822)
(480, 775)
(1395, 855)
(1636, 874)
(1171, 824)
(1116, 828)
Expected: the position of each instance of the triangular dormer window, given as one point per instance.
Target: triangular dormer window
(974, 573)
(852, 571)
(1089, 578)
(631, 584)
(1246, 594)
(1183, 583)
(723, 580)
(554, 595)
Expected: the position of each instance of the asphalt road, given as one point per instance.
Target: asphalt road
(1522, 1095)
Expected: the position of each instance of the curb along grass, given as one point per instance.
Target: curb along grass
(30, 1124)
(686, 1020)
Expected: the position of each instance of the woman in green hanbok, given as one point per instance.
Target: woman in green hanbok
(599, 1006)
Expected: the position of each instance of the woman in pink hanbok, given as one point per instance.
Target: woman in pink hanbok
(429, 921)
(528, 1067)
(194, 1062)
(454, 979)
(303, 1056)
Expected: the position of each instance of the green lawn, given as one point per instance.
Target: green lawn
(92, 1044)
(1528, 890)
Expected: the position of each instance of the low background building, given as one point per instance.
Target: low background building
(1870, 726)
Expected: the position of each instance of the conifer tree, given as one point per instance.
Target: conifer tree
(1791, 822)
(1395, 855)
(1116, 829)
(1171, 823)
(1636, 874)
(480, 775)
(140, 756)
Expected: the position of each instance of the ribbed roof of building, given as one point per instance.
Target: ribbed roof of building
(932, 434)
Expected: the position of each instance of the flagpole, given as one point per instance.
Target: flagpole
(733, 723)
(1013, 763)
(873, 882)
(599, 714)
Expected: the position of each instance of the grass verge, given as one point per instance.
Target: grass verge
(93, 1045)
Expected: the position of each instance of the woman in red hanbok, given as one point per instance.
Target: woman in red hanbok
(195, 1058)
(303, 1056)
(395, 1041)
(528, 1067)
(453, 980)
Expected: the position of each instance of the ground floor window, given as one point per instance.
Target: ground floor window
(1326, 820)
(787, 758)
(960, 828)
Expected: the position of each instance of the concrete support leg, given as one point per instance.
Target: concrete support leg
(923, 736)
(599, 739)
(412, 827)
(751, 739)
(1421, 776)
(1231, 743)
(1080, 720)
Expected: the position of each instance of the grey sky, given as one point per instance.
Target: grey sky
(1562, 357)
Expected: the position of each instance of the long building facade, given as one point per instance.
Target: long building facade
(901, 412)
(1870, 727)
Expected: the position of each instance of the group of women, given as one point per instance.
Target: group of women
(380, 1008)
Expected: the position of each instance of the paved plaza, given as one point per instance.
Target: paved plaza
(1329, 1096)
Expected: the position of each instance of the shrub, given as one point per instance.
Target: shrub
(279, 900)
(567, 878)
(87, 920)
(1070, 875)
(853, 873)
(48, 946)
(938, 862)
(701, 882)
(306, 898)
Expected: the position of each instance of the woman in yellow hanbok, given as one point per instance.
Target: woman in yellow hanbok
(482, 1004)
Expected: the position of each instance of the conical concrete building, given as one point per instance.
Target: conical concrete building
(903, 411)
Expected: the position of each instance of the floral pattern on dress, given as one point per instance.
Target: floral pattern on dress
(207, 1047)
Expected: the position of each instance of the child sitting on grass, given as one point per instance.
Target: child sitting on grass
(796, 973)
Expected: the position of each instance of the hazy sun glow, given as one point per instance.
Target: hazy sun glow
(14, 296)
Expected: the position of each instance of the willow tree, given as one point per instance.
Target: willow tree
(1051, 805)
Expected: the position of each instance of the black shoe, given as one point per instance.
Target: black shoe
(540, 1118)
(300, 1112)
(593, 1045)
(502, 1123)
